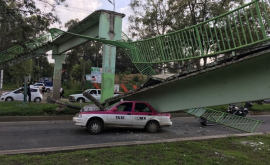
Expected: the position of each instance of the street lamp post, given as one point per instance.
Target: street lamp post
(113, 4)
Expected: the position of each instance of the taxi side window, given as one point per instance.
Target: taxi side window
(127, 107)
(141, 107)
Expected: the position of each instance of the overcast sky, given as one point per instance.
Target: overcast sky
(82, 8)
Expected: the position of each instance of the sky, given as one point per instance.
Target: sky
(82, 8)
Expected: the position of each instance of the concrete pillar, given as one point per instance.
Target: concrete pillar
(58, 59)
(110, 27)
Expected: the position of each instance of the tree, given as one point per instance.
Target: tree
(77, 71)
(41, 68)
(186, 13)
(157, 17)
(123, 62)
(18, 72)
(150, 18)
(22, 20)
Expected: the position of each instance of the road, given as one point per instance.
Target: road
(43, 134)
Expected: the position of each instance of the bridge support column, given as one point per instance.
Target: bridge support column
(58, 59)
(110, 26)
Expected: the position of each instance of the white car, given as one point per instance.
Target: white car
(40, 85)
(37, 85)
(17, 95)
(96, 93)
(130, 114)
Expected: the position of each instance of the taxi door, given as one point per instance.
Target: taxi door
(142, 113)
(122, 116)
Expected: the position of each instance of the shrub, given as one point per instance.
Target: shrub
(136, 78)
(32, 109)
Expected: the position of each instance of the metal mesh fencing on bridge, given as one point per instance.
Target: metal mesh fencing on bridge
(28, 46)
(226, 119)
(244, 26)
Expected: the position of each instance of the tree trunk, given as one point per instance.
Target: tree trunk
(83, 79)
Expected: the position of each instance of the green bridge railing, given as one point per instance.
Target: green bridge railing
(228, 120)
(28, 46)
(239, 28)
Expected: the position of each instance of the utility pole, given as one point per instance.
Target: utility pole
(113, 4)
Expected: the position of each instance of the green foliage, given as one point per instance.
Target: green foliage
(126, 72)
(123, 62)
(21, 21)
(9, 86)
(32, 109)
(31, 19)
(41, 68)
(18, 72)
(159, 17)
(231, 150)
(136, 78)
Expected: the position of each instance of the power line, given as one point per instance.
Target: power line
(76, 9)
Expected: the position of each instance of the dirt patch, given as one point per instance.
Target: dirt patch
(128, 79)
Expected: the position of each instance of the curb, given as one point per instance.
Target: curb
(117, 144)
(55, 118)
(69, 117)
(34, 118)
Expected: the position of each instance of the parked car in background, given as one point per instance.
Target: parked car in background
(17, 95)
(130, 114)
(37, 85)
(48, 86)
(96, 93)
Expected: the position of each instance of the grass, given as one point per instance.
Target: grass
(32, 109)
(231, 150)
(44, 109)
(9, 86)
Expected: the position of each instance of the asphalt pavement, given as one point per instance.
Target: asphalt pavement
(56, 136)
(42, 134)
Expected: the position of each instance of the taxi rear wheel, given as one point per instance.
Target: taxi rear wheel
(152, 126)
(95, 127)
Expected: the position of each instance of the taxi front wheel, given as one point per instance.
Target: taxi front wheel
(95, 127)
(152, 126)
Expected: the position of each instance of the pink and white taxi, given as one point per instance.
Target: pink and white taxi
(130, 114)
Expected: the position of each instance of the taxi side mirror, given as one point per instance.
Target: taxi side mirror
(114, 109)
